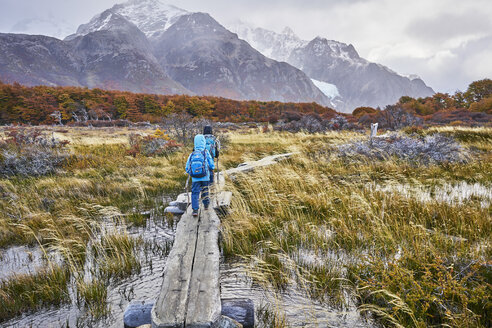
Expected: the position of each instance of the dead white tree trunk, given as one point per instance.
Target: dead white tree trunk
(374, 131)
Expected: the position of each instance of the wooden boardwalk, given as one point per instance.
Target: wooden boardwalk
(190, 292)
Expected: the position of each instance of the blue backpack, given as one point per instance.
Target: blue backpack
(210, 144)
(198, 165)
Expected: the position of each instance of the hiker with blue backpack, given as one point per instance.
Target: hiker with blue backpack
(212, 145)
(200, 166)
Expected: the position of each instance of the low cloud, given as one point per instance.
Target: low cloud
(450, 26)
(446, 70)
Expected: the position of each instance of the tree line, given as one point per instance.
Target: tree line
(61, 105)
(71, 105)
(472, 107)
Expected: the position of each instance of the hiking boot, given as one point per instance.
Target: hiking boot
(195, 212)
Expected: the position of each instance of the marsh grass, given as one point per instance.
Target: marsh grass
(312, 221)
(253, 145)
(406, 262)
(117, 255)
(270, 317)
(80, 213)
(93, 294)
(137, 219)
(29, 292)
(97, 173)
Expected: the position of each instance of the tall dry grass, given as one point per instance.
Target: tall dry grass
(314, 221)
(81, 214)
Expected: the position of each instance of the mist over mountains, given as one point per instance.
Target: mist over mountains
(148, 46)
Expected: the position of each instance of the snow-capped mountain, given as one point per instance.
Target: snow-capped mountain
(152, 17)
(206, 58)
(358, 81)
(113, 54)
(117, 55)
(274, 45)
(149, 46)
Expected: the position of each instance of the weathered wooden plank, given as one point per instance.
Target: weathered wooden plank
(204, 306)
(170, 308)
(219, 202)
(250, 166)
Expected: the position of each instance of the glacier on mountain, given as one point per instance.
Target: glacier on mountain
(357, 81)
(330, 90)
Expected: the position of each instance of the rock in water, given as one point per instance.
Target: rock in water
(241, 310)
(137, 314)
(173, 210)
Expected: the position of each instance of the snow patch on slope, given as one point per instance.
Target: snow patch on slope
(152, 17)
(105, 23)
(330, 90)
(277, 46)
(412, 77)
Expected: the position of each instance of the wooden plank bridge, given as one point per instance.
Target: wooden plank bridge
(190, 292)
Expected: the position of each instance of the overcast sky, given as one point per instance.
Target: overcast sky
(446, 42)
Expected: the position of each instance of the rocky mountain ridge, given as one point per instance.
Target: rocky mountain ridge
(148, 46)
(358, 81)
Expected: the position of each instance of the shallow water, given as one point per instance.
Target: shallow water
(454, 194)
(142, 286)
(23, 260)
(299, 310)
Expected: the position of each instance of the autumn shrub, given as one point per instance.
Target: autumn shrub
(361, 111)
(157, 144)
(394, 118)
(467, 118)
(102, 123)
(432, 149)
(31, 152)
(456, 123)
(484, 105)
(314, 123)
(339, 122)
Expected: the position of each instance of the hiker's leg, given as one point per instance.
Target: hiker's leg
(195, 194)
(211, 177)
(205, 198)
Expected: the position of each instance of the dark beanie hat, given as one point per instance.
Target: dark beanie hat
(207, 129)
